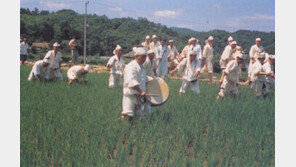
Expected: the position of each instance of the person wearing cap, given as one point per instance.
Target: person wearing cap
(39, 70)
(256, 49)
(134, 87)
(173, 54)
(238, 51)
(258, 75)
(230, 77)
(55, 60)
(76, 72)
(74, 51)
(229, 40)
(154, 44)
(146, 44)
(162, 59)
(208, 55)
(24, 50)
(227, 55)
(185, 50)
(116, 65)
(150, 64)
(191, 68)
(268, 68)
(196, 46)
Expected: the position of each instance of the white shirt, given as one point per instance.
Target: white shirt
(154, 46)
(147, 46)
(257, 67)
(162, 53)
(255, 50)
(150, 66)
(268, 68)
(250, 68)
(24, 48)
(233, 71)
(227, 55)
(197, 48)
(185, 51)
(55, 59)
(134, 74)
(38, 69)
(208, 52)
(173, 52)
(75, 72)
(117, 65)
(189, 68)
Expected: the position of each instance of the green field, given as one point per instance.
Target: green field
(77, 125)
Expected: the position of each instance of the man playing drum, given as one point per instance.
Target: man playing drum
(192, 68)
(134, 87)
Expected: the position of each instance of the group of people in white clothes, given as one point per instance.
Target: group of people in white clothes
(50, 68)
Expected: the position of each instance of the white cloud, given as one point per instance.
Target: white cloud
(51, 4)
(115, 9)
(166, 14)
(184, 26)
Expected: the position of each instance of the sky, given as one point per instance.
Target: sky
(199, 15)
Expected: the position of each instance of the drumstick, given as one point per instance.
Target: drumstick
(153, 95)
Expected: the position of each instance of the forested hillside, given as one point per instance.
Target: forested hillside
(103, 33)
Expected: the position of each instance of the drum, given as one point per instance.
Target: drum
(157, 91)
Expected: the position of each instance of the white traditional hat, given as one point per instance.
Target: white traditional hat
(154, 36)
(87, 68)
(56, 44)
(258, 39)
(193, 52)
(46, 60)
(261, 56)
(150, 51)
(117, 48)
(230, 38)
(191, 39)
(241, 56)
(171, 41)
(233, 43)
(210, 38)
(147, 37)
(140, 51)
(272, 57)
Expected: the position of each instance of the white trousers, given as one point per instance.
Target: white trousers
(228, 87)
(133, 106)
(208, 67)
(162, 69)
(115, 80)
(193, 85)
(31, 76)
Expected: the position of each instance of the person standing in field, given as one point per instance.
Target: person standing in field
(150, 64)
(154, 44)
(55, 60)
(74, 51)
(116, 65)
(196, 46)
(230, 77)
(146, 44)
(134, 87)
(208, 55)
(172, 55)
(256, 49)
(183, 53)
(191, 67)
(39, 70)
(227, 54)
(76, 72)
(162, 57)
(250, 68)
(268, 68)
(24, 50)
(258, 76)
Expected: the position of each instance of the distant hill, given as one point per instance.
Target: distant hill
(103, 33)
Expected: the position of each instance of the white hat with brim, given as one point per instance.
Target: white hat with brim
(233, 43)
(230, 38)
(117, 48)
(147, 37)
(210, 38)
(140, 51)
(170, 41)
(56, 44)
(258, 39)
(154, 36)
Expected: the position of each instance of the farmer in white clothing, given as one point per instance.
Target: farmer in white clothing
(146, 44)
(258, 76)
(150, 64)
(24, 49)
(196, 46)
(256, 49)
(154, 44)
(183, 53)
(162, 58)
(250, 68)
(134, 87)
(227, 55)
(55, 58)
(208, 57)
(39, 70)
(116, 64)
(172, 55)
(268, 68)
(230, 77)
(77, 72)
(191, 67)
